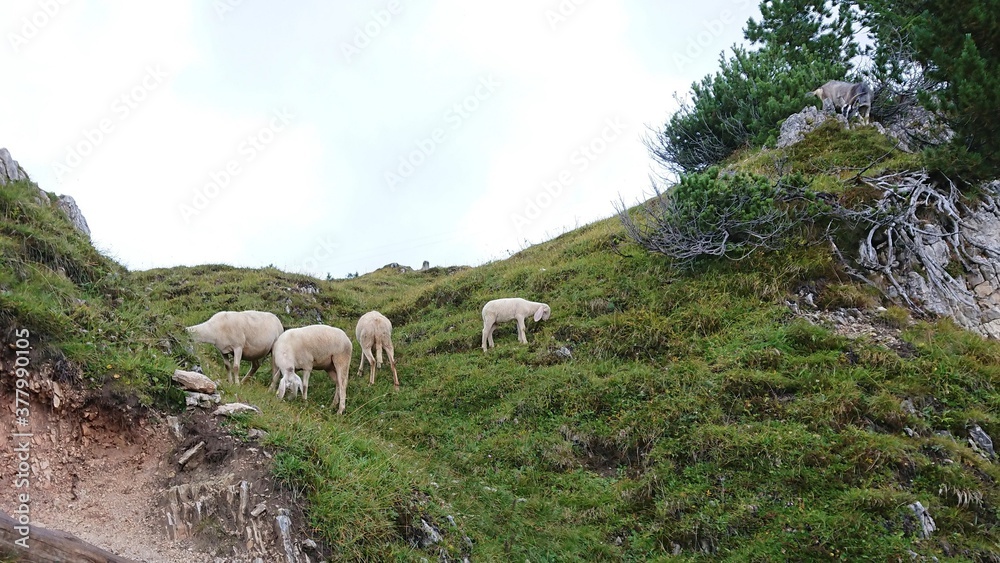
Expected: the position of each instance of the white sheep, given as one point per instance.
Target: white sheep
(247, 335)
(292, 383)
(308, 348)
(509, 309)
(375, 330)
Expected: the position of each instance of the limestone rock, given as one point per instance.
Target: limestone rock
(68, 206)
(927, 525)
(230, 409)
(193, 381)
(916, 127)
(202, 400)
(798, 125)
(10, 170)
(981, 441)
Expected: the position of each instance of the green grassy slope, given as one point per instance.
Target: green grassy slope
(696, 415)
(80, 305)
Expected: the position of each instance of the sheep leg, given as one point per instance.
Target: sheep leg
(254, 364)
(392, 364)
(274, 378)
(521, 337)
(366, 353)
(362, 364)
(234, 375)
(282, 387)
(338, 373)
(305, 383)
(489, 326)
(228, 363)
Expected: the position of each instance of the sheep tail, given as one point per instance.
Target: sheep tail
(378, 350)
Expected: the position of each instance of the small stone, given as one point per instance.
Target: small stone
(234, 408)
(186, 457)
(174, 424)
(980, 440)
(202, 400)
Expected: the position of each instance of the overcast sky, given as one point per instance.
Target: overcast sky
(335, 137)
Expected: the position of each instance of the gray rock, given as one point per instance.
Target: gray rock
(10, 170)
(174, 424)
(234, 408)
(917, 127)
(430, 534)
(798, 125)
(978, 438)
(68, 206)
(186, 456)
(202, 400)
(927, 525)
(283, 527)
(193, 381)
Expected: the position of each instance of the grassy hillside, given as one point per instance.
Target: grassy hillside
(697, 415)
(80, 305)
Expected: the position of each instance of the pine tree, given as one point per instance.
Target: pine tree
(803, 31)
(801, 45)
(958, 43)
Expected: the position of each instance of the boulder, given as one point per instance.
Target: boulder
(193, 381)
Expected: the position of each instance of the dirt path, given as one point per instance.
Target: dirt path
(95, 482)
(111, 479)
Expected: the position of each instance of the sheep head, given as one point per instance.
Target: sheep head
(542, 313)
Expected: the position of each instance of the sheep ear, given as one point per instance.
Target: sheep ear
(538, 313)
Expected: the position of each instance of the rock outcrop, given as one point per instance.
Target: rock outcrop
(973, 298)
(68, 206)
(911, 129)
(11, 171)
(798, 125)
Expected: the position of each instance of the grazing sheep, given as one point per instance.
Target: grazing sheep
(509, 309)
(313, 347)
(374, 330)
(247, 335)
(292, 383)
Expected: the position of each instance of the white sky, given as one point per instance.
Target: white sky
(321, 138)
